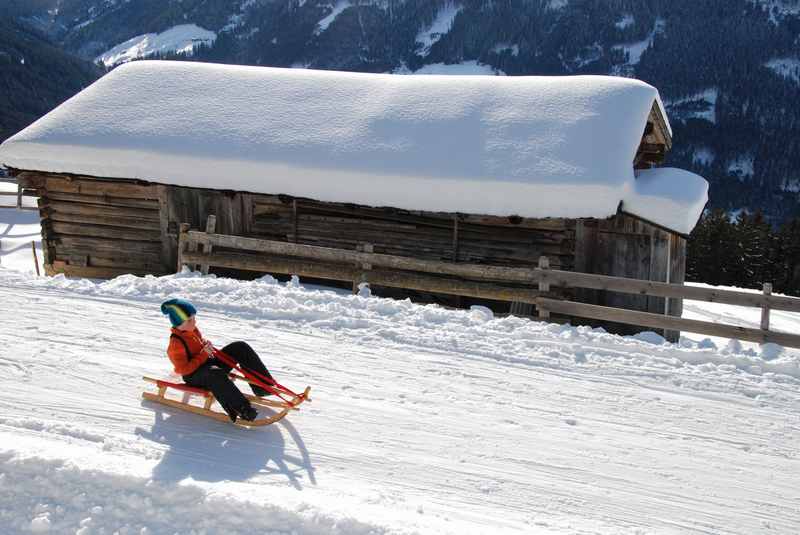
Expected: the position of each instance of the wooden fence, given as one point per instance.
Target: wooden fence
(521, 285)
(19, 194)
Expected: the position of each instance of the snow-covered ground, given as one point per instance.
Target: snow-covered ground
(423, 420)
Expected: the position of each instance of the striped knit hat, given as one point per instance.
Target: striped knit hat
(178, 310)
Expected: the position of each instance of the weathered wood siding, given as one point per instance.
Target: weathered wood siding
(435, 236)
(102, 228)
(625, 246)
(95, 228)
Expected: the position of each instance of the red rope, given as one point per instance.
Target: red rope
(267, 383)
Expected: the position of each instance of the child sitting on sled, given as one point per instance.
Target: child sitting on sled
(193, 357)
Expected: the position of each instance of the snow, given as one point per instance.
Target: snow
(423, 420)
(670, 197)
(788, 68)
(742, 166)
(440, 26)
(700, 105)
(441, 143)
(336, 10)
(636, 49)
(18, 229)
(626, 21)
(499, 48)
(180, 39)
(465, 68)
(780, 9)
(791, 185)
(556, 5)
(703, 156)
(236, 20)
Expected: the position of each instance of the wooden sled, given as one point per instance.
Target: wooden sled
(189, 392)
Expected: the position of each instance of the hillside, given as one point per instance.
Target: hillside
(729, 70)
(35, 76)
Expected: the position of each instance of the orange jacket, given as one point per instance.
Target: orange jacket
(186, 364)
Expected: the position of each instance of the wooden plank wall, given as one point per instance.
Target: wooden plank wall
(625, 246)
(98, 229)
(427, 235)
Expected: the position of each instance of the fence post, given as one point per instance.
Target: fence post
(19, 196)
(35, 259)
(183, 241)
(211, 225)
(765, 307)
(365, 248)
(544, 287)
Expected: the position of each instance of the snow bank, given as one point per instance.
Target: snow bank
(672, 198)
(473, 144)
(181, 39)
(43, 496)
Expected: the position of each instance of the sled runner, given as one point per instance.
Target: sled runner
(284, 402)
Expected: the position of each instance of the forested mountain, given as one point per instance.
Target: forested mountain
(35, 76)
(728, 70)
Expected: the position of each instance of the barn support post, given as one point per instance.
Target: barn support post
(183, 242)
(765, 308)
(211, 226)
(670, 335)
(544, 287)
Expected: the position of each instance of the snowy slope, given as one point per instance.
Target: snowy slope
(180, 39)
(423, 420)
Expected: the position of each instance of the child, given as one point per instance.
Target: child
(192, 357)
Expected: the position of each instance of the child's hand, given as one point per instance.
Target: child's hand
(208, 348)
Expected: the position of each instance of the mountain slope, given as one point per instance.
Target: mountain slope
(35, 76)
(729, 70)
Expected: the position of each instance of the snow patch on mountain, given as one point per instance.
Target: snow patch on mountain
(557, 4)
(700, 105)
(703, 156)
(465, 68)
(440, 26)
(499, 48)
(742, 166)
(779, 9)
(336, 10)
(180, 39)
(787, 67)
(791, 185)
(236, 20)
(626, 21)
(635, 50)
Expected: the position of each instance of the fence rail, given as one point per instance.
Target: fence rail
(19, 194)
(523, 285)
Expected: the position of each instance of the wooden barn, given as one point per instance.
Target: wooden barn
(474, 171)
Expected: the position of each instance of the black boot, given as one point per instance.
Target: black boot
(248, 413)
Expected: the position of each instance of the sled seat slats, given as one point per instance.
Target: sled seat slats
(178, 386)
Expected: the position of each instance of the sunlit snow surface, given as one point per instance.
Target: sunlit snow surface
(439, 143)
(423, 420)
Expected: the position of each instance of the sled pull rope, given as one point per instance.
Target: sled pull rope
(257, 378)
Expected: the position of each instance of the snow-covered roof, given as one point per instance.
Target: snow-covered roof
(672, 198)
(530, 146)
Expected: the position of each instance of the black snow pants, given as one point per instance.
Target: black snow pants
(214, 376)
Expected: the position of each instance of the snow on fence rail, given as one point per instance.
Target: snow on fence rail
(521, 285)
